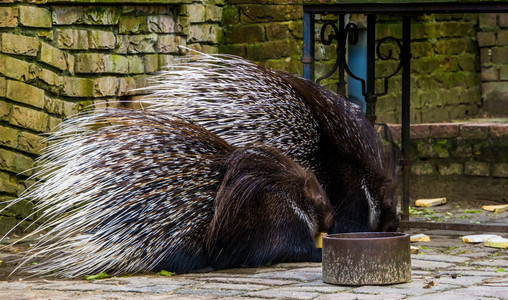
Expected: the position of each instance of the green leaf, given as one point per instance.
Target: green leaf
(96, 276)
(500, 270)
(472, 211)
(166, 273)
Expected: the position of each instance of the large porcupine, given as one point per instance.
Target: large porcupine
(243, 102)
(125, 191)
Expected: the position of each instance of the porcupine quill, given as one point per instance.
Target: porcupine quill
(125, 191)
(242, 102)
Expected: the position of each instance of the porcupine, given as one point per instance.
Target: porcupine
(126, 191)
(243, 102)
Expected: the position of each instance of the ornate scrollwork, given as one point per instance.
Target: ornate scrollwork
(350, 33)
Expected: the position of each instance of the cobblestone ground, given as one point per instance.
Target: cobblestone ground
(444, 268)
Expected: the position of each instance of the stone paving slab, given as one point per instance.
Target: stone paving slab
(459, 271)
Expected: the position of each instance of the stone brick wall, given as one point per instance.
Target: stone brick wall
(461, 161)
(270, 33)
(445, 78)
(493, 42)
(57, 59)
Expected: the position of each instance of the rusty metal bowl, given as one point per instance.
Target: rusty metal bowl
(367, 258)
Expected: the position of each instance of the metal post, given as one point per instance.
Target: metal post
(406, 90)
(370, 97)
(308, 45)
(341, 85)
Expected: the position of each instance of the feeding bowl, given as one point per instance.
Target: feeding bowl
(366, 258)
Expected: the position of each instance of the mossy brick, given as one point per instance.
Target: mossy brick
(25, 93)
(444, 130)
(277, 31)
(450, 29)
(150, 63)
(19, 44)
(296, 29)
(270, 13)
(234, 49)
(502, 38)
(433, 149)
(500, 170)
(121, 44)
(210, 33)
(52, 79)
(421, 49)
(453, 46)
(9, 16)
(31, 143)
(3, 86)
(499, 131)
(101, 63)
(102, 15)
(468, 63)
(33, 16)
(213, 13)
(182, 25)
(419, 131)
(53, 57)
(21, 209)
(9, 136)
(230, 15)
(450, 169)
(487, 38)
(105, 86)
(77, 86)
(133, 25)
(14, 68)
(8, 183)
(15, 162)
(53, 105)
(13, 225)
(5, 110)
(474, 131)
(67, 14)
(165, 60)
(169, 43)
(101, 39)
(422, 168)
(142, 43)
(474, 168)
(487, 21)
(74, 39)
(53, 122)
(389, 29)
(195, 12)
(244, 33)
(72, 108)
(136, 64)
(268, 50)
(161, 24)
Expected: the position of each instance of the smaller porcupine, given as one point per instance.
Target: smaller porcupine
(127, 191)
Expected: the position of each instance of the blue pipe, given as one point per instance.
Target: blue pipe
(357, 62)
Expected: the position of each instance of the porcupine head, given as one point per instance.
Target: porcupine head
(268, 209)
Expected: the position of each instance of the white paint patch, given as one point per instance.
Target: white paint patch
(304, 217)
(373, 209)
